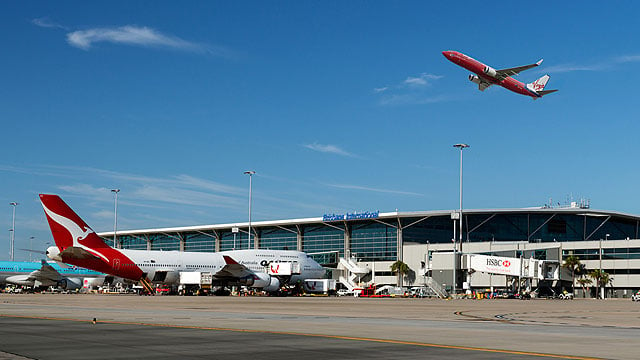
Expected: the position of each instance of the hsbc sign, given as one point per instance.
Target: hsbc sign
(495, 264)
(493, 261)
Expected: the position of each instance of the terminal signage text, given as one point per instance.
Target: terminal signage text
(351, 216)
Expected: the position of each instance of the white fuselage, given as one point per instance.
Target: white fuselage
(174, 262)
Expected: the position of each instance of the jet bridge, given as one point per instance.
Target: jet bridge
(511, 266)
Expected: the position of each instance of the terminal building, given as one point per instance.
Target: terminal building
(359, 248)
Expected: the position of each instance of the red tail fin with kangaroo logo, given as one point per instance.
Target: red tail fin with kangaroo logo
(67, 227)
(78, 243)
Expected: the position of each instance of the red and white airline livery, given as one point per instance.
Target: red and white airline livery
(78, 244)
(486, 76)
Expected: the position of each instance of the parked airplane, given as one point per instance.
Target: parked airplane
(487, 76)
(43, 274)
(78, 244)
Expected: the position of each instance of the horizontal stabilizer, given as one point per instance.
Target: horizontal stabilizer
(78, 253)
(545, 92)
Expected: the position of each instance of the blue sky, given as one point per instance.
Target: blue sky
(338, 106)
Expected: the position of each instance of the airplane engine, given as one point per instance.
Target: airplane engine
(490, 71)
(53, 253)
(168, 277)
(265, 282)
(96, 281)
(474, 79)
(70, 283)
(19, 280)
(274, 285)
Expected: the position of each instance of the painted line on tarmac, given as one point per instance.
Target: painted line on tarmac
(385, 341)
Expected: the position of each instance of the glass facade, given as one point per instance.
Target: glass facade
(622, 253)
(321, 238)
(278, 239)
(240, 240)
(433, 229)
(532, 227)
(132, 242)
(373, 241)
(200, 242)
(164, 242)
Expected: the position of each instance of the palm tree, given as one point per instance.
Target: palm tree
(573, 264)
(401, 269)
(601, 278)
(584, 282)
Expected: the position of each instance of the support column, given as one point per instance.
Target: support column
(347, 241)
(182, 241)
(216, 236)
(299, 239)
(256, 240)
(146, 237)
(400, 244)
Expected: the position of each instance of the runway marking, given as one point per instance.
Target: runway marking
(385, 341)
(511, 318)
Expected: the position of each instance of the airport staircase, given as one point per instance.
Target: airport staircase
(146, 284)
(352, 272)
(436, 288)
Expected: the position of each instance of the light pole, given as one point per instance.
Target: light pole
(115, 218)
(13, 230)
(31, 246)
(461, 147)
(250, 173)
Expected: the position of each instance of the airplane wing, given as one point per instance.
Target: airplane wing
(483, 85)
(233, 270)
(46, 273)
(75, 252)
(505, 73)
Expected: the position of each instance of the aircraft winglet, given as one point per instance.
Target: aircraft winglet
(539, 62)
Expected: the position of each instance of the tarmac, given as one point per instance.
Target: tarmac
(56, 326)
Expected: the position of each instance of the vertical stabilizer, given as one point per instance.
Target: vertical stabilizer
(539, 84)
(69, 230)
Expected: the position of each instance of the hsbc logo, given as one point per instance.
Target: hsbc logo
(498, 262)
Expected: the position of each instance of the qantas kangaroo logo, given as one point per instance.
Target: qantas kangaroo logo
(276, 269)
(77, 233)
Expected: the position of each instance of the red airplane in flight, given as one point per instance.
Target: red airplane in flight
(487, 76)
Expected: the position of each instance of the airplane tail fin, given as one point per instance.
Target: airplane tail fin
(69, 230)
(538, 86)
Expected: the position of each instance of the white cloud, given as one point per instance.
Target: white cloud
(103, 214)
(401, 99)
(423, 80)
(87, 190)
(599, 66)
(573, 67)
(140, 36)
(331, 149)
(186, 197)
(412, 90)
(366, 188)
(47, 23)
(628, 58)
